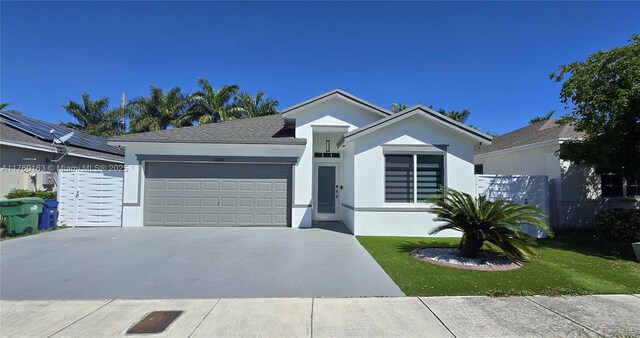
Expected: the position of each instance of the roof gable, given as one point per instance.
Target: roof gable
(424, 112)
(337, 93)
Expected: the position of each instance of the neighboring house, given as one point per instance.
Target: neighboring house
(29, 158)
(334, 157)
(576, 192)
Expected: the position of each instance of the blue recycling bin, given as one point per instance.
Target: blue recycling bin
(49, 215)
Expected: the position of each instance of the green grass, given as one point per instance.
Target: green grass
(570, 264)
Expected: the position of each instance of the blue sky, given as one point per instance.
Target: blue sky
(492, 57)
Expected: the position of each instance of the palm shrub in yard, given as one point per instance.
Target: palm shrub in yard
(481, 220)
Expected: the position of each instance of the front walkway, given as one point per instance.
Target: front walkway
(584, 316)
(189, 263)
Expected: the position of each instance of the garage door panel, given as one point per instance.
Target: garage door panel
(174, 218)
(192, 185)
(192, 202)
(280, 202)
(264, 187)
(248, 218)
(191, 218)
(173, 201)
(245, 202)
(211, 186)
(247, 186)
(263, 202)
(174, 185)
(155, 201)
(216, 195)
(210, 201)
(229, 186)
(155, 185)
(210, 219)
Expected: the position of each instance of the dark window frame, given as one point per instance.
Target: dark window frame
(614, 186)
(417, 171)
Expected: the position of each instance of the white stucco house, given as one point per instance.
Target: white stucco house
(576, 192)
(334, 157)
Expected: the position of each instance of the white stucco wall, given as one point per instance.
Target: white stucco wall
(133, 197)
(524, 162)
(373, 216)
(334, 112)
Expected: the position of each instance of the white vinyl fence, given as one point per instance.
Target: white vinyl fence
(90, 198)
(523, 189)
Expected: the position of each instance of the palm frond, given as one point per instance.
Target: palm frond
(499, 222)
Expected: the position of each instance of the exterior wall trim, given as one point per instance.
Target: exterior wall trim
(414, 148)
(387, 209)
(216, 159)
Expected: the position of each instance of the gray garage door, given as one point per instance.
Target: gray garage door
(199, 194)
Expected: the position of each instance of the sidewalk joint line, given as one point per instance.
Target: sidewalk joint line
(638, 296)
(312, 304)
(81, 318)
(565, 317)
(438, 318)
(203, 318)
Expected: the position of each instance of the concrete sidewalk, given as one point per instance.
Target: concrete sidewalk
(611, 315)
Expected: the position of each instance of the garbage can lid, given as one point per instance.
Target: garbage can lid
(51, 203)
(24, 200)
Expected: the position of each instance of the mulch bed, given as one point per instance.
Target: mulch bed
(487, 260)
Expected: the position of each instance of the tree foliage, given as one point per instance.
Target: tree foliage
(3, 107)
(398, 107)
(480, 220)
(209, 105)
(158, 111)
(603, 93)
(545, 117)
(246, 105)
(93, 116)
(457, 115)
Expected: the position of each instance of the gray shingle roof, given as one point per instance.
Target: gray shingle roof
(534, 133)
(257, 130)
(12, 135)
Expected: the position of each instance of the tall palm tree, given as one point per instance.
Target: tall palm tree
(93, 116)
(158, 111)
(247, 105)
(209, 105)
(398, 107)
(457, 115)
(479, 220)
(3, 107)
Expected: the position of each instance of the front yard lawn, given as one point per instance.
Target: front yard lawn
(563, 266)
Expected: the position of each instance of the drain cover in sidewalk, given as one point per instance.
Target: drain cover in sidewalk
(155, 322)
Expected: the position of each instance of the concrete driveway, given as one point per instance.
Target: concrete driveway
(165, 263)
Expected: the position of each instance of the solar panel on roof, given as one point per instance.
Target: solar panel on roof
(41, 130)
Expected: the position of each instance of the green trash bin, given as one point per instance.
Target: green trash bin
(21, 214)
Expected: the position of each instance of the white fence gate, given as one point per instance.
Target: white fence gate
(523, 189)
(90, 198)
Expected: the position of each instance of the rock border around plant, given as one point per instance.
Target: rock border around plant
(487, 267)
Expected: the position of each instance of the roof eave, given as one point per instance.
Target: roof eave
(124, 142)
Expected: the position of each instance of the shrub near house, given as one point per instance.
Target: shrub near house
(619, 224)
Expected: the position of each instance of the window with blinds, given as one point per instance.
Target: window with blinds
(430, 176)
(399, 178)
(413, 178)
